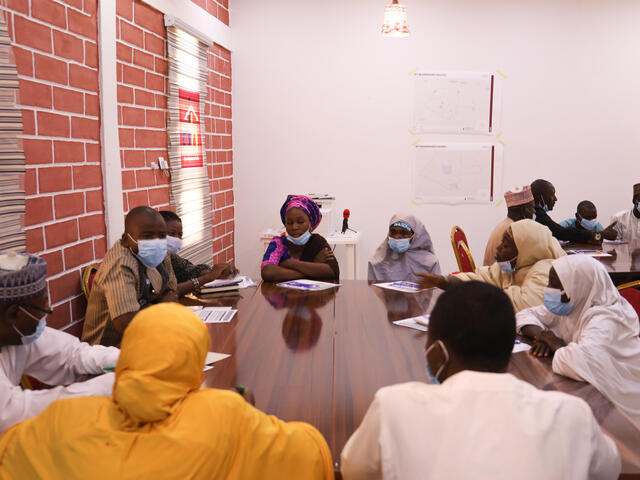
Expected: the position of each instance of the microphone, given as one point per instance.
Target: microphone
(345, 220)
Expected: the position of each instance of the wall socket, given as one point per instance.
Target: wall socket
(163, 163)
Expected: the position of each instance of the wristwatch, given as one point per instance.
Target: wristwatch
(196, 284)
(598, 236)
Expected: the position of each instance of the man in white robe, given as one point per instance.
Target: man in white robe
(628, 221)
(593, 336)
(29, 347)
(480, 422)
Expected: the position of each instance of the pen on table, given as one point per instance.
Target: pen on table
(109, 369)
(421, 322)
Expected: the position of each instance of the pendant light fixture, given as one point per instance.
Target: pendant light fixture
(395, 21)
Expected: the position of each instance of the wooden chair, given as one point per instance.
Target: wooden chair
(88, 274)
(461, 250)
(631, 294)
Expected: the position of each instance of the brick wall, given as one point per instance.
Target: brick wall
(54, 45)
(55, 49)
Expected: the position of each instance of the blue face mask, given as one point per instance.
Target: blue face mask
(534, 217)
(27, 339)
(151, 252)
(174, 244)
(434, 378)
(399, 245)
(553, 302)
(589, 224)
(301, 240)
(507, 267)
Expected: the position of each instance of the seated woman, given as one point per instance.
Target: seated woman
(523, 260)
(405, 252)
(299, 253)
(591, 331)
(190, 277)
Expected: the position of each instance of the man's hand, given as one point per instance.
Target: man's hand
(539, 349)
(552, 341)
(221, 270)
(610, 233)
(430, 280)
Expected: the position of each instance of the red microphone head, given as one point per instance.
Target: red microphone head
(346, 213)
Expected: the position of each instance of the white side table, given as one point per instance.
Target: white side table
(349, 240)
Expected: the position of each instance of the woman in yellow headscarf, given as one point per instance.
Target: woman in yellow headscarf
(159, 423)
(522, 265)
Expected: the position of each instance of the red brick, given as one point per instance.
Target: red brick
(93, 200)
(85, 128)
(137, 198)
(54, 262)
(68, 100)
(99, 248)
(74, 3)
(87, 176)
(51, 124)
(145, 178)
(34, 240)
(92, 152)
(17, 5)
(228, 170)
(149, 18)
(31, 34)
(128, 180)
(134, 159)
(155, 82)
(67, 46)
(143, 59)
(30, 181)
(90, 6)
(162, 66)
(82, 24)
(153, 44)
(125, 94)
(125, 203)
(227, 214)
(119, 72)
(38, 210)
(159, 196)
(68, 204)
(145, 99)
(152, 155)
(83, 77)
(225, 112)
(133, 116)
(61, 315)
(36, 151)
(124, 8)
(78, 311)
(155, 118)
(131, 34)
(91, 105)
(48, 68)
(64, 286)
(223, 15)
(123, 52)
(49, 12)
(161, 100)
(54, 179)
(28, 122)
(90, 54)
(68, 151)
(150, 138)
(201, 3)
(78, 254)
(133, 75)
(24, 60)
(34, 93)
(61, 233)
(126, 137)
(226, 184)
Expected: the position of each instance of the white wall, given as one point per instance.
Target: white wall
(322, 103)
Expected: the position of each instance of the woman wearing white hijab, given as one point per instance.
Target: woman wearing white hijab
(591, 331)
(406, 251)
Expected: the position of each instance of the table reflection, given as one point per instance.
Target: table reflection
(401, 305)
(302, 324)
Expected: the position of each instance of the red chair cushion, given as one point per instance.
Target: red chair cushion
(465, 262)
(633, 297)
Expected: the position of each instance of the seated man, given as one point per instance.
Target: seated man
(627, 222)
(135, 273)
(591, 331)
(521, 269)
(519, 202)
(160, 423)
(29, 347)
(190, 277)
(544, 194)
(480, 422)
(585, 218)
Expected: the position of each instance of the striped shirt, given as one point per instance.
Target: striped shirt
(116, 291)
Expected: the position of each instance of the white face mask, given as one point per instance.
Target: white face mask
(174, 244)
(42, 323)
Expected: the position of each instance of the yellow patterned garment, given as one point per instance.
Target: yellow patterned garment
(159, 423)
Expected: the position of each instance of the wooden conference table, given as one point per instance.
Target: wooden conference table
(319, 357)
(624, 263)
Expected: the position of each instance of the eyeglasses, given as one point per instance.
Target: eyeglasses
(35, 307)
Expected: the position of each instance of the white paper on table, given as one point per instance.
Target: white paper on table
(413, 323)
(309, 285)
(242, 281)
(590, 253)
(407, 287)
(518, 346)
(614, 242)
(213, 357)
(216, 314)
